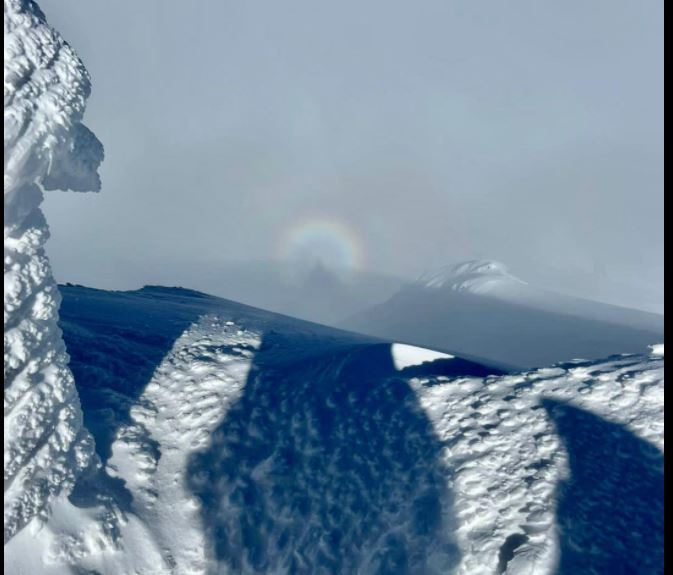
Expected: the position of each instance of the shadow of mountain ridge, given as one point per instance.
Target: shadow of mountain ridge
(611, 509)
(326, 465)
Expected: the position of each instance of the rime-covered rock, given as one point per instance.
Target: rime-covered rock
(46, 147)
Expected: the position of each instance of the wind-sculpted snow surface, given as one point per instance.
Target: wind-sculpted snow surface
(566, 462)
(255, 443)
(46, 147)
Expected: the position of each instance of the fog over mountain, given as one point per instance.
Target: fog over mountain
(415, 135)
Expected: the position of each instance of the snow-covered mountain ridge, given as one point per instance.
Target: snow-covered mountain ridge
(479, 308)
(494, 279)
(239, 441)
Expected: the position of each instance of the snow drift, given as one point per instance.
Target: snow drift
(46, 147)
(480, 309)
(236, 440)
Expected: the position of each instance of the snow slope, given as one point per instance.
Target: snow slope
(316, 293)
(233, 440)
(239, 441)
(46, 147)
(478, 308)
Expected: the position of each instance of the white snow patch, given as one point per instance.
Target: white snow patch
(409, 355)
(658, 349)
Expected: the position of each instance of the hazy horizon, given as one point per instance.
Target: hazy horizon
(379, 136)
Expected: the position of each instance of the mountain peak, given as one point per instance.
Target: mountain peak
(475, 276)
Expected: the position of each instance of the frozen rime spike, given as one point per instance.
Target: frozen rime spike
(46, 147)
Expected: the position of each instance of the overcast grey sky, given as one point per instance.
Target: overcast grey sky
(426, 132)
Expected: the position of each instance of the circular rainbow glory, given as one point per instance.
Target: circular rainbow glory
(325, 241)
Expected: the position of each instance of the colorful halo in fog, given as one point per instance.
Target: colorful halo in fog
(327, 241)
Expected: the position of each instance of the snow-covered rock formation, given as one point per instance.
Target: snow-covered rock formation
(46, 147)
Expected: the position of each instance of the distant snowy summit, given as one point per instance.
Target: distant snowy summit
(474, 276)
(479, 309)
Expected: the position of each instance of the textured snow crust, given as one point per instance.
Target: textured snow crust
(509, 443)
(254, 443)
(46, 147)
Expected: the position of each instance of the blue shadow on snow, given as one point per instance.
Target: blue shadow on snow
(611, 509)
